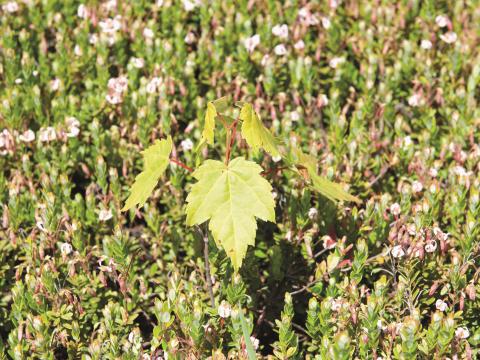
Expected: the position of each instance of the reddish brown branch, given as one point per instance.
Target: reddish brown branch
(231, 140)
(274, 170)
(181, 164)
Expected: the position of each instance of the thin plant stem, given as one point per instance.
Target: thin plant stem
(181, 164)
(207, 266)
(231, 133)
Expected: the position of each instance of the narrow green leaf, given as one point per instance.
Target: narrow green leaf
(231, 197)
(329, 189)
(255, 133)
(155, 162)
(246, 336)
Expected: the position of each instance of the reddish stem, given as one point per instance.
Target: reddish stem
(181, 164)
(231, 140)
(274, 170)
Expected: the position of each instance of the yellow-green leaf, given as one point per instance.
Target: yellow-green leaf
(208, 133)
(232, 197)
(155, 162)
(255, 133)
(328, 188)
(221, 104)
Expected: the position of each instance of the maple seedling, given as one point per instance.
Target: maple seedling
(231, 194)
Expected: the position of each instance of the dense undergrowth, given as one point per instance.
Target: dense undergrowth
(383, 93)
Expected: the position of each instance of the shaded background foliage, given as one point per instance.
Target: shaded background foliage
(384, 95)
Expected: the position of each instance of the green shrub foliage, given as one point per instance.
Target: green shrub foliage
(346, 129)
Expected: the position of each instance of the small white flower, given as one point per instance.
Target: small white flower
(4, 138)
(82, 11)
(417, 186)
(328, 242)
(10, 7)
(324, 99)
(439, 234)
(280, 50)
(105, 215)
(326, 23)
(426, 44)
(148, 33)
(334, 3)
(295, 116)
(159, 3)
(47, 134)
(93, 39)
(77, 50)
(255, 342)
(460, 171)
(18, 81)
(336, 61)
(431, 246)
(190, 38)
(276, 158)
(336, 304)
(131, 337)
(407, 142)
(118, 84)
(114, 98)
(449, 37)
(304, 13)
(73, 126)
(224, 309)
(397, 251)
(265, 60)
(27, 136)
(110, 5)
(312, 20)
(299, 45)
(188, 5)
(415, 100)
(186, 145)
(312, 213)
(289, 235)
(153, 85)
(139, 63)
(55, 84)
(66, 248)
(280, 31)
(110, 26)
(395, 209)
(441, 305)
(41, 226)
(441, 21)
(433, 172)
(462, 333)
(252, 42)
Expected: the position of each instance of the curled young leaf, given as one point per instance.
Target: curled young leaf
(155, 162)
(255, 133)
(208, 133)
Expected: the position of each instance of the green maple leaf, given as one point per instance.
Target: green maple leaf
(255, 133)
(208, 134)
(232, 197)
(155, 162)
